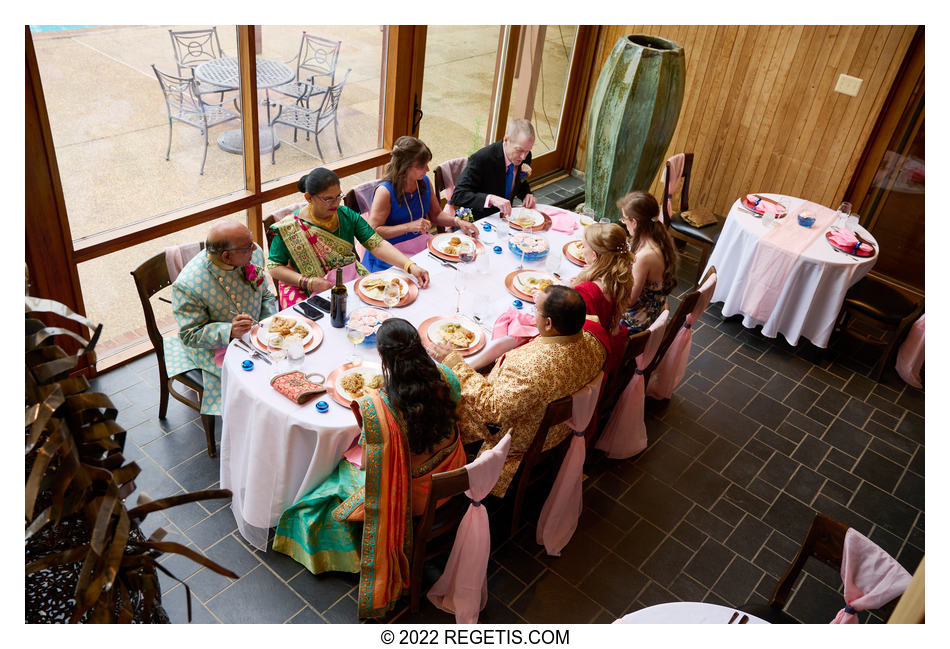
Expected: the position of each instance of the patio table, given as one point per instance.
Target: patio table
(274, 451)
(808, 303)
(226, 73)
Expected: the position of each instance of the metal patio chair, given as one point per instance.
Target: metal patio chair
(186, 105)
(195, 46)
(298, 116)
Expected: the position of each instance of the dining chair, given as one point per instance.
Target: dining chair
(299, 116)
(556, 412)
(150, 277)
(446, 175)
(669, 365)
(618, 380)
(705, 237)
(887, 316)
(195, 46)
(184, 104)
(872, 577)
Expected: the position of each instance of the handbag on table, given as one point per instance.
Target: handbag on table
(297, 386)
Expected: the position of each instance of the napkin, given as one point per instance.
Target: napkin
(562, 221)
(515, 323)
(844, 238)
(355, 455)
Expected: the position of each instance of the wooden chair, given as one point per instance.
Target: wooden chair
(672, 328)
(890, 313)
(151, 277)
(440, 185)
(706, 237)
(556, 412)
(824, 541)
(617, 381)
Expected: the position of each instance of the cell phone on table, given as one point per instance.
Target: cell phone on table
(308, 311)
(319, 302)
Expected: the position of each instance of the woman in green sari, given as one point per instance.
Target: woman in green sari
(322, 530)
(318, 238)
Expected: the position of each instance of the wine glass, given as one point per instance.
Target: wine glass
(391, 294)
(466, 252)
(844, 211)
(526, 230)
(355, 335)
(460, 280)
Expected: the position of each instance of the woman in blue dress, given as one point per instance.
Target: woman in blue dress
(404, 205)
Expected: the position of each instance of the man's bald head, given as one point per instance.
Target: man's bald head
(225, 235)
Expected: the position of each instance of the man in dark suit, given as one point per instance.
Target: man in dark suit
(498, 173)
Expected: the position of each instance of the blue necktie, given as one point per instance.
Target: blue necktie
(509, 180)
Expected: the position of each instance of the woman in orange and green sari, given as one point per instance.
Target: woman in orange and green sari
(322, 530)
(318, 238)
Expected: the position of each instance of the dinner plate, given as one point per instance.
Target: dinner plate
(514, 283)
(852, 251)
(264, 329)
(437, 244)
(369, 318)
(409, 292)
(316, 336)
(439, 320)
(522, 217)
(781, 210)
(571, 248)
(338, 394)
(436, 334)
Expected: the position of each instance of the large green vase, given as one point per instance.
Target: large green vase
(633, 113)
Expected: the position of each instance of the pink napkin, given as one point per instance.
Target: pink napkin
(910, 356)
(515, 323)
(870, 575)
(355, 455)
(562, 221)
(845, 239)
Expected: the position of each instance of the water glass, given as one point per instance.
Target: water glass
(276, 351)
(852, 221)
(844, 211)
(295, 355)
(355, 335)
(552, 263)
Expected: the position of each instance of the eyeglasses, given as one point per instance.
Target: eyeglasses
(244, 249)
(331, 200)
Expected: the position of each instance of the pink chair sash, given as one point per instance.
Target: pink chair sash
(626, 433)
(176, 257)
(463, 587)
(562, 509)
(670, 371)
(516, 323)
(871, 577)
(910, 356)
(364, 195)
(677, 163)
(775, 256)
(492, 351)
(451, 170)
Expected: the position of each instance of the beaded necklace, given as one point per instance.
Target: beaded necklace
(422, 208)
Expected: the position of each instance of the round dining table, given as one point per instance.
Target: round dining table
(225, 72)
(688, 613)
(808, 302)
(273, 451)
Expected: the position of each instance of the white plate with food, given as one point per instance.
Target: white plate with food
(450, 243)
(575, 252)
(374, 285)
(459, 333)
(525, 218)
(281, 331)
(352, 381)
(530, 280)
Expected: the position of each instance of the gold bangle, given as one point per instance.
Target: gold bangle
(408, 266)
(308, 283)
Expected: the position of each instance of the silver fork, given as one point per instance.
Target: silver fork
(240, 344)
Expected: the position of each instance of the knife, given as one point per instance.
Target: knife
(240, 344)
(443, 262)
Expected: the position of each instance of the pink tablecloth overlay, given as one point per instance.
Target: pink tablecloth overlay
(463, 587)
(775, 256)
(910, 356)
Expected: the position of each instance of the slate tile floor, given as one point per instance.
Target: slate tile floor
(757, 437)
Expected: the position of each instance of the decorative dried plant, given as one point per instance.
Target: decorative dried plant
(78, 530)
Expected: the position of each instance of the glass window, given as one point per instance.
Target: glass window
(540, 81)
(350, 56)
(110, 123)
(457, 89)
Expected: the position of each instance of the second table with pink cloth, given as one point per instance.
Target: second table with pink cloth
(789, 280)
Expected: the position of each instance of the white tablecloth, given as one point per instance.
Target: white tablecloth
(809, 304)
(273, 451)
(685, 613)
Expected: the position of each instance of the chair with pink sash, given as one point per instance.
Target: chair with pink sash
(669, 366)
(360, 199)
(871, 577)
(564, 503)
(680, 167)
(625, 434)
(910, 356)
(446, 175)
(463, 587)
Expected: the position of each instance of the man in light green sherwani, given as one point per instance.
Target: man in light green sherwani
(219, 295)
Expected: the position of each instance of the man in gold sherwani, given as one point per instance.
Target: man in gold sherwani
(559, 362)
